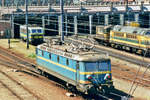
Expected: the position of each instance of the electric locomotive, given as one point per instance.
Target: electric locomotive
(35, 34)
(88, 71)
(132, 38)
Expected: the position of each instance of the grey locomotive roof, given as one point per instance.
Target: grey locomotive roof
(105, 27)
(65, 50)
(130, 29)
(31, 26)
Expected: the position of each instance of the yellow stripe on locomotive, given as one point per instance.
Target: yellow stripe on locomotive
(35, 33)
(133, 37)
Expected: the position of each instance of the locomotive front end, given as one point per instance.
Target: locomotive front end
(99, 76)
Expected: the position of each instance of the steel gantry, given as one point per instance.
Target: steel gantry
(34, 2)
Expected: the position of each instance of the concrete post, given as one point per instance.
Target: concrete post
(60, 25)
(75, 25)
(62, 19)
(48, 18)
(98, 19)
(90, 23)
(121, 19)
(149, 20)
(39, 2)
(66, 23)
(136, 17)
(3, 3)
(12, 26)
(49, 7)
(106, 20)
(43, 24)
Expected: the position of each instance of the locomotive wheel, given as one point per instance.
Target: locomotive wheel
(119, 47)
(71, 87)
(41, 72)
(143, 53)
(113, 45)
(131, 50)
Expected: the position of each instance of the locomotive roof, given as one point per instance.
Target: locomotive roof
(63, 50)
(35, 27)
(131, 30)
(105, 27)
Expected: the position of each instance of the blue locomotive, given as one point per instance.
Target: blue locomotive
(88, 71)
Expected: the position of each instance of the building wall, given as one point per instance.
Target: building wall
(3, 29)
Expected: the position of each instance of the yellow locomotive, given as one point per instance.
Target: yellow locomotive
(132, 38)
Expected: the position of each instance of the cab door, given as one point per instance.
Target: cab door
(77, 73)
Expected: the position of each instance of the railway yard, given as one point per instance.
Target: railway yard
(20, 81)
(74, 50)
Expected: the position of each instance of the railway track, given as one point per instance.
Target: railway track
(9, 59)
(129, 75)
(16, 88)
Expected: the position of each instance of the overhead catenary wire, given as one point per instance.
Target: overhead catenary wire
(148, 66)
(84, 23)
(56, 30)
(134, 80)
(55, 23)
(144, 22)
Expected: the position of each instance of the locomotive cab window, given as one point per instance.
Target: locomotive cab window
(104, 65)
(39, 51)
(34, 31)
(101, 30)
(107, 30)
(91, 66)
(97, 66)
(39, 30)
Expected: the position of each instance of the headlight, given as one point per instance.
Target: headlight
(89, 77)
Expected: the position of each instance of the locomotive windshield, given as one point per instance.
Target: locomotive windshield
(97, 66)
(104, 65)
(91, 66)
(36, 31)
(39, 30)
